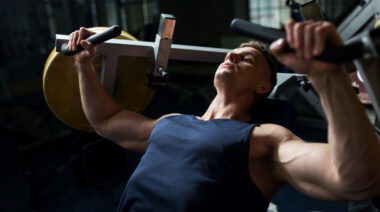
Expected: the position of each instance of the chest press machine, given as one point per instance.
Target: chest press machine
(128, 70)
(151, 58)
(146, 65)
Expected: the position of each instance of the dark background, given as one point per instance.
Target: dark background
(48, 166)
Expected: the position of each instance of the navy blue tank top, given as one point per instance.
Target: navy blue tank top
(194, 165)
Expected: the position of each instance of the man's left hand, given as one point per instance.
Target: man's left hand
(308, 40)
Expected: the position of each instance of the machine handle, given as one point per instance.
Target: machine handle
(339, 54)
(94, 39)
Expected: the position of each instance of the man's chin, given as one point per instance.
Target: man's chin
(224, 71)
(223, 76)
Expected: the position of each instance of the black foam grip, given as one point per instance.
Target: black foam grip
(268, 35)
(94, 39)
(344, 53)
(258, 32)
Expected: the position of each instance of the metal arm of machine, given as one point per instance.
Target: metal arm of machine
(161, 51)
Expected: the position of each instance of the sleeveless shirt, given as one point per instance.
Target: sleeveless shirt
(194, 165)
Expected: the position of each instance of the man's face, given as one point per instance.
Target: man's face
(244, 68)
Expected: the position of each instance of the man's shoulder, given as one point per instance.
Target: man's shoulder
(267, 137)
(271, 132)
(167, 115)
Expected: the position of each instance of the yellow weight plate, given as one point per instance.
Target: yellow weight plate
(61, 88)
(377, 24)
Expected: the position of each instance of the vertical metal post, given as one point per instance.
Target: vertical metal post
(108, 72)
(162, 48)
(311, 11)
(368, 69)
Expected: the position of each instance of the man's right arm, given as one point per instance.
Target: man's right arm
(128, 129)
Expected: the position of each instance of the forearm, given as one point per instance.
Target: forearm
(96, 102)
(353, 143)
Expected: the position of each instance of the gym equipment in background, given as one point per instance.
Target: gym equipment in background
(361, 41)
(128, 69)
(61, 88)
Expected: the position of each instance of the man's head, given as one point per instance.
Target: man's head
(250, 68)
(269, 59)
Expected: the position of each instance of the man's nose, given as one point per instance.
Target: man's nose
(234, 57)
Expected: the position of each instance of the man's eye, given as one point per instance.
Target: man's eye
(245, 59)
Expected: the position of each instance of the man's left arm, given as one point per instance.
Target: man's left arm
(353, 151)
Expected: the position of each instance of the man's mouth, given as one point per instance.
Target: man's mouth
(227, 65)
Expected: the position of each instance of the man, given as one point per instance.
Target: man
(218, 162)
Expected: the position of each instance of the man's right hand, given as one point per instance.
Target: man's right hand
(77, 38)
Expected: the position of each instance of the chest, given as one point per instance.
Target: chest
(188, 135)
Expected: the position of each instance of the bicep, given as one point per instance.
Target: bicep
(126, 126)
(306, 166)
(129, 130)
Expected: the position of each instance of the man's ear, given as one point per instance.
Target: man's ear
(264, 87)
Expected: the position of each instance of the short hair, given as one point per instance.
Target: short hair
(269, 58)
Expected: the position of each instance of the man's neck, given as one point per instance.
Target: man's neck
(230, 108)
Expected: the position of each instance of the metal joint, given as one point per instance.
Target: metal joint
(161, 49)
(370, 50)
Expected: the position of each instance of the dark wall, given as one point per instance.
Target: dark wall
(201, 22)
